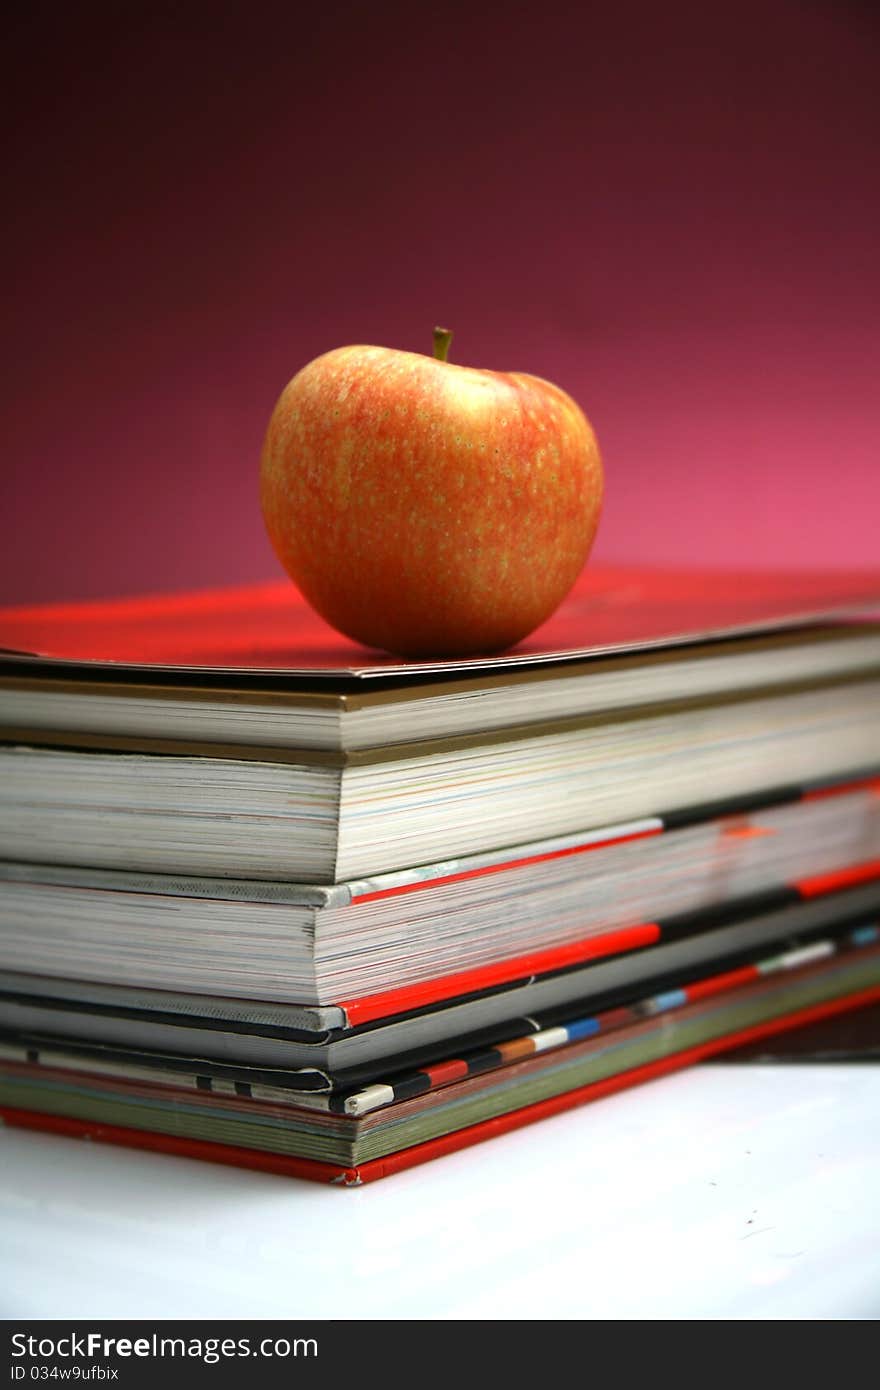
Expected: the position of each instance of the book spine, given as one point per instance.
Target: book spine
(374, 1169)
(430, 1078)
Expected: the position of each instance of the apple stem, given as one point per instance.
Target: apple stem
(442, 339)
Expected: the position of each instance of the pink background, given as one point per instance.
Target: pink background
(671, 210)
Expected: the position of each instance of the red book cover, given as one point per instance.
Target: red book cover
(269, 627)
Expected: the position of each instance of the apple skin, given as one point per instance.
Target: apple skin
(427, 508)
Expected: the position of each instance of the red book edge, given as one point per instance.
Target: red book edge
(415, 996)
(371, 1171)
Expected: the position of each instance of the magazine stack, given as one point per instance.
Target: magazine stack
(269, 899)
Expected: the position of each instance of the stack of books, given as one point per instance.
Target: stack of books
(272, 900)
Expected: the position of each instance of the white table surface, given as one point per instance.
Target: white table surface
(725, 1191)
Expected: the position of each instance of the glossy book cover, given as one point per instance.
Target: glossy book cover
(270, 628)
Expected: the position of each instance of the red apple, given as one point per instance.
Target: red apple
(426, 508)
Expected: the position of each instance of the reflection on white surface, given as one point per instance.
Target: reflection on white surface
(733, 1192)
